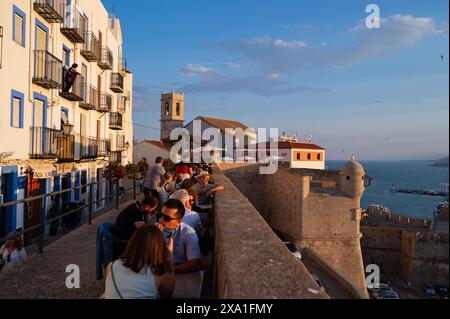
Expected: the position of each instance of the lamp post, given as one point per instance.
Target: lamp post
(67, 129)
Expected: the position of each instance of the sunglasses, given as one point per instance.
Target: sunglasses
(166, 218)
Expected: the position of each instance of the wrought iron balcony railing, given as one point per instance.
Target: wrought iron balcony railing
(47, 70)
(88, 147)
(105, 103)
(43, 143)
(91, 47)
(72, 92)
(52, 11)
(106, 59)
(123, 101)
(121, 143)
(90, 98)
(116, 83)
(115, 121)
(115, 157)
(66, 148)
(74, 24)
(104, 148)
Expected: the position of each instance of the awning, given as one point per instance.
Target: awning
(43, 171)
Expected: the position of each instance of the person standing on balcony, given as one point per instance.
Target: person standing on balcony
(70, 77)
(155, 178)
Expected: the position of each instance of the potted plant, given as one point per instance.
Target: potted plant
(130, 170)
(142, 167)
(114, 170)
(54, 211)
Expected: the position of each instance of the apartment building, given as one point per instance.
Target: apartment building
(62, 131)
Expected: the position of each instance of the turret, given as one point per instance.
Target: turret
(352, 177)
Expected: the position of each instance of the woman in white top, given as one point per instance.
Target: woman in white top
(145, 271)
(12, 253)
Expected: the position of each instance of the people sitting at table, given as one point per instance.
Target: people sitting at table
(205, 190)
(191, 217)
(168, 188)
(133, 217)
(12, 253)
(145, 270)
(186, 251)
(183, 171)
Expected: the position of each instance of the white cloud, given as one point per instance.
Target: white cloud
(192, 69)
(233, 65)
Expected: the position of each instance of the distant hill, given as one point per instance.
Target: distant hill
(443, 162)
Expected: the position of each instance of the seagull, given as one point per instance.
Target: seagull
(442, 58)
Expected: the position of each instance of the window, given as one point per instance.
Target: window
(298, 156)
(1, 46)
(178, 109)
(17, 100)
(348, 178)
(19, 19)
(309, 156)
(167, 109)
(319, 157)
(83, 181)
(66, 56)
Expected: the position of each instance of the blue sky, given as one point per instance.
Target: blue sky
(306, 67)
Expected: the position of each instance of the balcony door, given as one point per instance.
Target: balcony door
(84, 74)
(41, 56)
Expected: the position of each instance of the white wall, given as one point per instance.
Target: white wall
(150, 151)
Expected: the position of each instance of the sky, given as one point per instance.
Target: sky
(308, 68)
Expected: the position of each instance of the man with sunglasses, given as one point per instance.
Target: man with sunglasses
(186, 249)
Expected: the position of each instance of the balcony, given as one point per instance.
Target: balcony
(106, 60)
(105, 103)
(47, 70)
(66, 148)
(123, 67)
(91, 47)
(51, 10)
(74, 24)
(115, 121)
(43, 143)
(90, 98)
(88, 148)
(116, 83)
(73, 93)
(122, 107)
(121, 144)
(115, 157)
(104, 148)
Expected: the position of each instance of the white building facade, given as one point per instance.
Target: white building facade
(64, 134)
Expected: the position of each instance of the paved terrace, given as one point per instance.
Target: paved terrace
(250, 260)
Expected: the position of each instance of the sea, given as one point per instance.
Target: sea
(403, 174)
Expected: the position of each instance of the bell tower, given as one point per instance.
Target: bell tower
(172, 113)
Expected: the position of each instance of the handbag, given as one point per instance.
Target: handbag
(114, 281)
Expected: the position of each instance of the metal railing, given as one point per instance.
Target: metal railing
(120, 142)
(123, 65)
(74, 25)
(76, 92)
(115, 157)
(43, 143)
(104, 147)
(115, 121)
(115, 192)
(106, 59)
(105, 102)
(88, 147)
(90, 98)
(47, 70)
(51, 10)
(116, 83)
(91, 47)
(66, 148)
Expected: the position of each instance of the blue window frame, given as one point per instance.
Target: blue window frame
(16, 95)
(66, 55)
(23, 16)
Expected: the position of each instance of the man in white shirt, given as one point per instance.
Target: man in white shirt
(190, 218)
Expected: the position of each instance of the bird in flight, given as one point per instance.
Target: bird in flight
(442, 58)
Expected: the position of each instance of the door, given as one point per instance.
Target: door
(84, 81)
(3, 209)
(41, 55)
(35, 187)
(99, 130)
(39, 139)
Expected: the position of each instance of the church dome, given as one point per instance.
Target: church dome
(352, 168)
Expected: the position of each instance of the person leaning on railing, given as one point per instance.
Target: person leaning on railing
(145, 270)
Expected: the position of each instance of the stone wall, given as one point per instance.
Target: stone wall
(310, 212)
(251, 262)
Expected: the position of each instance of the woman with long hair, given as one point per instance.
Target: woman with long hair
(145, 270)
